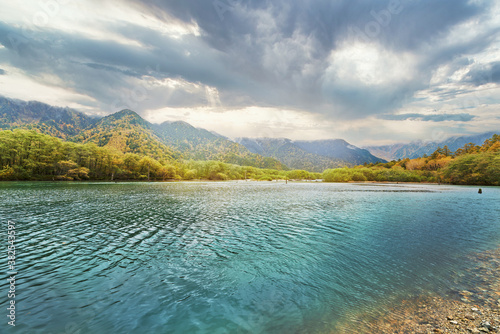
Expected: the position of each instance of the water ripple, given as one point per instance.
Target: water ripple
(233, 257)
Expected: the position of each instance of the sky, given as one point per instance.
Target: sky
(370, 72)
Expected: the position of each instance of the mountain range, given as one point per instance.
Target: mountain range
(126, 131)
(58, 122)
(420, 148)
(315, 156)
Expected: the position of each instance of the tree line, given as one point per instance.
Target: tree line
(470, 164)
(29, 155)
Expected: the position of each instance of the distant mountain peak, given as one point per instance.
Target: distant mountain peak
(125, 112)
(124, 117)
(175, 122)
(322, 140)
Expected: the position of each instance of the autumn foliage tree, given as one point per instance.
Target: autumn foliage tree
(29, 155)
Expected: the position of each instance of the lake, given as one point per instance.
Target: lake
(233, 257)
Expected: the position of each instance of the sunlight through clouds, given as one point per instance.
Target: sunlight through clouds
(298, 63)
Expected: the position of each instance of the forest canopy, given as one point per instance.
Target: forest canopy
(470, 164)
(29, 155)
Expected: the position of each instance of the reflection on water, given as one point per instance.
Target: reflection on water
(233, 257)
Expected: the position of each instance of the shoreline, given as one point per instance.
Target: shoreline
(475, 309)
(248, 180)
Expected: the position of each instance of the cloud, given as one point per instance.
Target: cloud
(483, 74)
(110, 70)
(464, 117)
(2, 72)
(343, 61)
(285, 48)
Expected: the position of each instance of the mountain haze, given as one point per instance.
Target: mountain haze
(201, 144)
(338, 149)
(420, 148)
(314, 156)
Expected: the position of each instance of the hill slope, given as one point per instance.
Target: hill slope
(127, 132)
(200, 144)
(58, 122)
(338, 149)
(296, 155)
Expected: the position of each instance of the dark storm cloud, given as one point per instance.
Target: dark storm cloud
(429, 118)
(403, 24)
(111, 69)
(484, 74)
(239, 28)
(101, 68)
(40, 49)
(259, 52)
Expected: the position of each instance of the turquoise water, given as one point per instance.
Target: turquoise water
(239, 257)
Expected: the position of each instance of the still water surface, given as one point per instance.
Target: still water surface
(238, 257)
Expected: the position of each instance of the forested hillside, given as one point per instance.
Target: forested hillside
(289, 154)
(128, 132)
(200, 144)
(29, 155)
(122, 144)
(420, 148)
(470, 164)
(315, 155)
(338, 149)
(58, 122)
